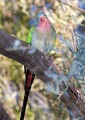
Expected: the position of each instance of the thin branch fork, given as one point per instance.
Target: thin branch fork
(38, 63)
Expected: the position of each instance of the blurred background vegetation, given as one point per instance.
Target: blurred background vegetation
(16, 18)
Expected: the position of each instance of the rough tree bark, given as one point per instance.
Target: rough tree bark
(38, 63)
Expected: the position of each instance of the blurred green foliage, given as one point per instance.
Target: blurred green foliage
(14, 19)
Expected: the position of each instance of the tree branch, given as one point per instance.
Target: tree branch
(75, 103)
(39, 63)
(19, 51)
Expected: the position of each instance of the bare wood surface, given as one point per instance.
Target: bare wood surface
(75, 103)
(38, 63)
